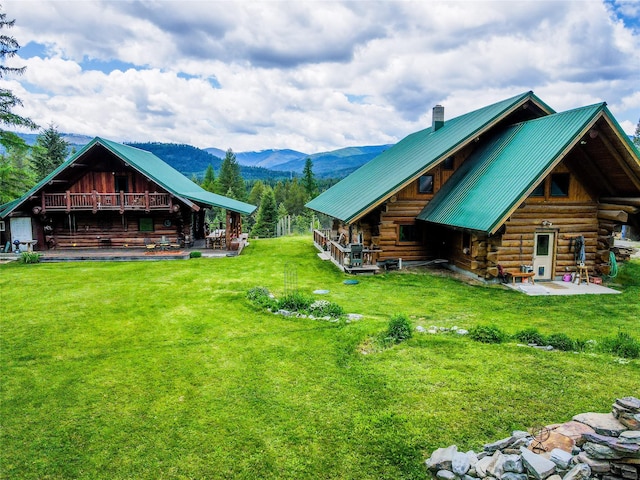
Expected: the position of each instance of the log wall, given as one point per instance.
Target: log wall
(104, 182)
(85, 230)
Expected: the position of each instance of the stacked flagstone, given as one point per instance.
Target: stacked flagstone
(604, 446)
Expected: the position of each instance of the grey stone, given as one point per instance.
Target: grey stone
(537, 466)
(462, 331)
(441, 458)
(561, 458)
(555, 477)
(496, 466)
(355, 316)
(601, 452)
(581, 471)
(513, 464)
(420, 329)
(499, 445)
(630, 436)
(518, 434)
(481, 466)
(445, 475)
(460, 463)
(514, 476)
(628, 472)
(597, 466)
(285, 313)
(630, 420)
(473, 458)
(469, 477)
(630, 403)
(613, 442)
(611, 477)
(602, 423)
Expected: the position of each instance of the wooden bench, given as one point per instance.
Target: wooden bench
(522, 276)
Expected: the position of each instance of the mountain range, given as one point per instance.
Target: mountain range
(264, 164)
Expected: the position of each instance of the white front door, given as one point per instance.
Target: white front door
(543, 254)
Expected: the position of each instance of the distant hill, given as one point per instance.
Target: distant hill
(264, 164)
(337, 163)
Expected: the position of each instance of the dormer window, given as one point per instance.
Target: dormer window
(425, 184)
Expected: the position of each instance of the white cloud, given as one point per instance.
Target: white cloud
(286, 70)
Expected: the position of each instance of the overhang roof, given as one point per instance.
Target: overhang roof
(390, 171)
(150, 166)
(497, 177)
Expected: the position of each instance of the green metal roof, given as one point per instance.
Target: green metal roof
(152, 167)
(389, 171)
(482, 193)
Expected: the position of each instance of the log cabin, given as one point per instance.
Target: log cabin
(114, 195)
(514, 185)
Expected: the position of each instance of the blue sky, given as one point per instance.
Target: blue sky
(312, 75)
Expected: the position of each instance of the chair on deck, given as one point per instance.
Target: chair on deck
(149, 244)
(175, 244)
(502, 274)
(356, 254)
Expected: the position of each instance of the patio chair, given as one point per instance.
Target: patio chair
(149, 244)
(356, 254)
(502, 274)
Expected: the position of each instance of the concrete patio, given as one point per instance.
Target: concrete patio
(561, 288)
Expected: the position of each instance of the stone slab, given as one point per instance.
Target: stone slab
(441, 458)
(561, 458)
(581, 471)
(555, 440)
(630, 436)
(537, 466)
(602, 423)
(601, 452)
(574, 430)
(597, 466)
(630, 403)
(614, 443)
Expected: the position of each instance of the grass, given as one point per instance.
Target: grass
(166, 370)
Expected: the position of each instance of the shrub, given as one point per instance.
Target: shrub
(399, 329)
(295, 302)
(323, 308)
(195, 254)
(622, 345)
(487, 334)
(30, 257)
(530, 335)
(261, 296)
(561, 342)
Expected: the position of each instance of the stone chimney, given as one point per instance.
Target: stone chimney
(437, 117)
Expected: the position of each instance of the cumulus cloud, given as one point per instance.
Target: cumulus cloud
(312, 76)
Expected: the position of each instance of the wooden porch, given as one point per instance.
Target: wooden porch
(352, 258)
(95, 201)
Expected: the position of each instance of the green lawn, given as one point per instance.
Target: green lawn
(165, 370)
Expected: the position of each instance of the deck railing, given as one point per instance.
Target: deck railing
(106, 201)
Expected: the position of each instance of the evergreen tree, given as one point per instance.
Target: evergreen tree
(280, 192)
(230, 181)
(15, 176)
(256, 193)
(636, 136)
(267, 218)
(295, 197)
(209, 180)
(49, 151)
(309, 180)
(8, 101)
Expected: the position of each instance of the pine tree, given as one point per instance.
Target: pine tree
(8, 101)
(230, 181)
(636, 136)
(15, 174)
(49, 152)
(256, 193)
(309, 180)
(209, 180)
(295, 197)
(267, 218)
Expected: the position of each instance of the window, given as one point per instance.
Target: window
(448, 163)
(425, 184)
(146, 224)
(560, 185)
(121, 183)
(542, 245)
(408, 233)
(538, 191)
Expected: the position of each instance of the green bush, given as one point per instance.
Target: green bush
(399, 329)
(561, 341)
(295, 302)
(195, 254)
(323, 308)
(487, 334)
(623, 345)
(30, 257)
(530, 335)
(262, 297)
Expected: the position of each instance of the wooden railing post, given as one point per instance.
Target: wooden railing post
(44, 204)
(147, 206)
(94, 201)
(68, 200)
(121, 201)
